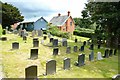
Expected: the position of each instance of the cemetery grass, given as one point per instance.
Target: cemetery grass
(15, 61)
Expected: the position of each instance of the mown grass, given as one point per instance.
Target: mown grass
(15, 61)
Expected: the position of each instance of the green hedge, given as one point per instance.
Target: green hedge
(83, 34)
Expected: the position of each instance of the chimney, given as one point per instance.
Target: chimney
(68, 13)
(59, 14)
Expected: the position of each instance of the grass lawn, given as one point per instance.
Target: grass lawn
(15, 61)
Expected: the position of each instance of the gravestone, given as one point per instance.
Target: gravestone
(99, 56)
(15, 45)
(34, 54)
(35, 43)
(42, 41)
(4, 38)
(115, 51)
(55, 42)
(81, 60)
(82, 48)
(49, 35)
(24, 38)
(66, 63)
(110, 52)
(50, 67)
(35, 39)
(64, 43)
(22, 33)
(51, 40)
(75, 48)
(99, 46)
(31, 72)
(91, 47)
(84, 43)
(106, 54)
(64, 39)
(33, 33)
(40, 33)
(55, 51)
(116, 77)
(91, 56)
(44, 37)
(75, 40)
(68, 50)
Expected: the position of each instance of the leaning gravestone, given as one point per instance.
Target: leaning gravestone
(75, 40)
(106, 54)
(55, 51)
(81, 59)
(68, 50)
(110, 52)
(64, 43)
(40, 33)
(84, 43)
(99, 56)
(55, 42)
(91, 56)
(75, 48)
(50, 67)
(31, 72)
(51, 40)
(34, 54)
(66, 63)
(115, 51)
(82, 48)
(35, 43)
(15, 45)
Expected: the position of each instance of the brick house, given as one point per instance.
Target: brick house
(65, 22)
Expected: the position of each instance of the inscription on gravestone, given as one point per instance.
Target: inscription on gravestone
(66, 63)
(31, 72)
(50, 67)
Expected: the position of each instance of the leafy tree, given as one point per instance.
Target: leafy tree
(10, 15)
(107, 17)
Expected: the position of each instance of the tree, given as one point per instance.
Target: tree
(10, 15)
(107, 17)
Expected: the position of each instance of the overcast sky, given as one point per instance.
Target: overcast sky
(33, 9)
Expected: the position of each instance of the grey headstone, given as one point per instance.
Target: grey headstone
(24, 38)
(55, 42)
(81, 59)
(15, 45)
(31, 72)
(110, 52)
(75, 40)
(91, 47)
(34, 54)
(82, 48)
(35, 43)
(91, 56)
(40, 33)
(75, 48)
(50, 67)
(99, 56)
(55, 51)
(51, 40)
(68, 50)
(106, 54)
(99, 46)
(64, 39)
(66, 64)
(84, 43)
(22, 33)
(64, 43)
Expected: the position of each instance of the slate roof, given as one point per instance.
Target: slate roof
(59, 20)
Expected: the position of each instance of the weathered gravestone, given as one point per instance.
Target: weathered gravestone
(68, 50)
(84, 43)
(44, 37)
(40, 33)
(81, 60)
(35, 43)
(91, 47)
(82, 48)
(55, 42)
(22, 33)
(50, 67)
(115, 51)
(35, 39)
(15, 45)
(64, 39)
(55, 51)
(99, 56)
(75, 40)
(64, 43)
(31, 72)
(66, 63)
(34, 54)
(99, 46)
(4, 38)
(24, 38)
(106, 54)
(75, 48)
(51, 40)
(91, 56)
(33, 33)
(49, 35)
(110, 52)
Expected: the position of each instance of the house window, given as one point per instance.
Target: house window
(70, 23)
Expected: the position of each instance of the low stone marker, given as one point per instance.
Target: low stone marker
(106, 54)
(66, 63)
(44, 37)
(81, 60)
(75, 40)
(51, 40)
(75, 48)
(68, 49)
(15, 45)
(31, 72)
(64, 43)
(3, 38)
(50, 67)
(34, 54)
(82, 48)
(99, 56)
(35, 43)
(91, 56)
(55, 42)
(92, 47)
(55, 51)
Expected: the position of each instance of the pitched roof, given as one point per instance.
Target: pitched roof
(59, 20)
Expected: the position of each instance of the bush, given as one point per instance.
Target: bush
(83, 33)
